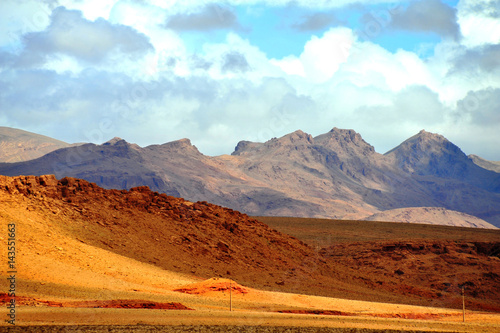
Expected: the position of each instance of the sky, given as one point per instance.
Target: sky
(217, 72)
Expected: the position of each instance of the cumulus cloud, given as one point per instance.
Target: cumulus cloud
(235, 62)
(322, 56)
(485, 58)
(20, 17)
(72, 35)
(214, 114)
(485, 8)
(476, 122)
(479, 22)
(316, 21)
(481, 107)
(428, 16)
(210, 17)
(416, 106)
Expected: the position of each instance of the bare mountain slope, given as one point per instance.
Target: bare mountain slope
(429, 154)
(333, 175)
(114, 164)
(17, 145)
(338, 171)
(430, 215)
(452, 178)
(485, 164)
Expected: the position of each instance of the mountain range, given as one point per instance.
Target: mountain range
(333, 175)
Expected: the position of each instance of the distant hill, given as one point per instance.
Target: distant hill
(17, 145)
(333, 175)
(430, 215)
(485, 164)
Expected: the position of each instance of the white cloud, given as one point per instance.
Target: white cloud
(291, 65)
(209, 17)
(321, 57)
(91, 41)
(428, 16)
(236, 57)
(479, 22)
(91, 9)
(18, 18)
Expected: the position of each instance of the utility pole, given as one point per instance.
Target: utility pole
(230, 295)
(463, 303)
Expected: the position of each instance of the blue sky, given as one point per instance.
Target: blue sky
(154, 71)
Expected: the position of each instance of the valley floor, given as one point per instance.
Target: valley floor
(33, 319)
(253, 311)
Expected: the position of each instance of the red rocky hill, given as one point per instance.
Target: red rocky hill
(206, 241)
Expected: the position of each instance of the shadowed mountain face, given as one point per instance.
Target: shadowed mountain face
(453, 179)
(333, 175)
(427, 154)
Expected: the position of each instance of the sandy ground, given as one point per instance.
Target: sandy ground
(258, 308)
(63, 317)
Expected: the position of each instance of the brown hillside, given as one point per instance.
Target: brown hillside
(203, 240)
(432, 270)
(416, 260)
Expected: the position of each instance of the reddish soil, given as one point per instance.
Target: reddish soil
(425, 316)
(206, 240)
(125, 304)
(20, 300)
(115, 304)
(213, 285)
(318, 312)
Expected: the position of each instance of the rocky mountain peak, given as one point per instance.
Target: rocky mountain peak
(119, 147)
(428, 153)
(116, 140)
(297, 137)
(179, 146)
(429, 137)
(243, 147)
(345, 141)
(294, 140)
(336, 174)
